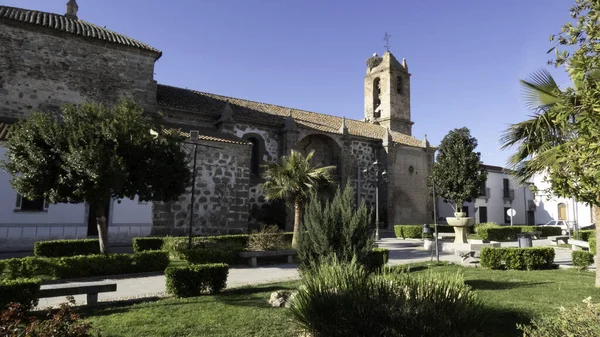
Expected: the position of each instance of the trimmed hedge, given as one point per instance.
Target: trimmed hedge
(546, 230)
(196, 279)
(582, 259)
(86, 265)
(409, 231)
(592, 241)
(376, 259)
(28, 267)
(517, 258)
(23, 291)
(213, 254)
(61, 248)
(498, 233)
(144, 244)
(585, 235)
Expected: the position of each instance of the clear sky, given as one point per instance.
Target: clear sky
(466, 57)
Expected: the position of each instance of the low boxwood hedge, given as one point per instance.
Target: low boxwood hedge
(585, 235)
(24, 291)
(498, 233)
(592, 241)
(517, 258)
(582, 259)
(211, 254)
(144, 244)
(196, 279)
(60, 248)
(409, 231)
(377, 259)
(86, 265)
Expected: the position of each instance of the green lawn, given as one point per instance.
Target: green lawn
(510, 296)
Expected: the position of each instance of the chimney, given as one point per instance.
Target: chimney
(72, 9)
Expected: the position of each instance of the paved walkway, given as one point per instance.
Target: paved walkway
(401, 252)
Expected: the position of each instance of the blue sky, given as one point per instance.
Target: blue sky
(466, 57)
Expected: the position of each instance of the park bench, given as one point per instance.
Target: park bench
(579, 244)
(563, 238)
(91, 289)
(535, 234)
(254, 255)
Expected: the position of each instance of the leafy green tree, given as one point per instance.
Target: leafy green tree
(295, 180)
(93, 153)
(562, 140)
(336, 228)
(458, 173)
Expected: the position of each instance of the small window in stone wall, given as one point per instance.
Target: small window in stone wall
(399, 85)
(26, 205)
(255, 158)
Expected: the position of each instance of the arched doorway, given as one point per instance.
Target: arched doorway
(326, 152)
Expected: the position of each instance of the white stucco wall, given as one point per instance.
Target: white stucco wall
(129, 219)
(547, 205)
(495, 202)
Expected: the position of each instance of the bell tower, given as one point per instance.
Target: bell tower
(387, 93)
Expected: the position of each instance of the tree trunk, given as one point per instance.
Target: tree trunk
(595, 219)
(297, 223)
(102, 229)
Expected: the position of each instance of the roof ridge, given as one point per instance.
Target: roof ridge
(275, 105)
(76, 27)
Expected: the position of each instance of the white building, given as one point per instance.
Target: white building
(502, 192)
(23, 222)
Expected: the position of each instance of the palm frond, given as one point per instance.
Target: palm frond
(540, 90)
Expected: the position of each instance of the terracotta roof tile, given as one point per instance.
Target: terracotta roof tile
(5, 128)
(76, 27)
(245, 110)
(210, 135)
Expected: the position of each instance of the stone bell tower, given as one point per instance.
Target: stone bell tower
(387, 93)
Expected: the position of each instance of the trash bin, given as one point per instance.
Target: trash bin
(525, 241)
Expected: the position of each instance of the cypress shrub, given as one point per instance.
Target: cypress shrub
(195, 279)
(61, 248)
(24, 291)
(582, 259)
(335, 228)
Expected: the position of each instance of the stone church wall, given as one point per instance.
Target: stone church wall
(409, 196)
(221, 195)
(43, 69)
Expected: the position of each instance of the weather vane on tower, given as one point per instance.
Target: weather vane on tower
(386, 38)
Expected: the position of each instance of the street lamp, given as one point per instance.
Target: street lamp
(377, 176)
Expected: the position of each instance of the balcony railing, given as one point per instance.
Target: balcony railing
(485, 193)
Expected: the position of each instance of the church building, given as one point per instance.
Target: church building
(49, 60)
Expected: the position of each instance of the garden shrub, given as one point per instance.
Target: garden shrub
(144, 244)
(61, 248)
(342, 299)
(585, 235)
(24, 291)
(15, 322)
(195, 279)
(581, 320)
(582, 259)
(592, 241)
(93, 265)
(210, 254)
(376, 259)
(492, 233)
(150, 261)
(267, 238)
(517, 258)
(409, 231)
(28, 267)
(337, 227)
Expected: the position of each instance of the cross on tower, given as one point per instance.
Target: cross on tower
(387, 41)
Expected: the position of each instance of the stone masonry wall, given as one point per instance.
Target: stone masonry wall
(221, 195)
(42, 69)
(409, 197)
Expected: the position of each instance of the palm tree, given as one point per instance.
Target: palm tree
(295, 180)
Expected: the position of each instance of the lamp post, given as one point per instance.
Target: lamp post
(377, 176)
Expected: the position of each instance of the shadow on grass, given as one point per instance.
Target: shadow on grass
(501, 322)
(496, 285)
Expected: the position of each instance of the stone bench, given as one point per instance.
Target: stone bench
(579, 244)
(469, 254)
(535, 234)
(254, 255)
(564, 239)
(91, 289)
